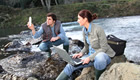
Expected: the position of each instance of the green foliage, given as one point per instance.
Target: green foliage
(66, 13)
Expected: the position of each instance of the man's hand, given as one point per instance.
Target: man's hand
(86, 60)
(54, 39)
(30, 27)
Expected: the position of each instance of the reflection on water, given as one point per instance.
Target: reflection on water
(8, 31)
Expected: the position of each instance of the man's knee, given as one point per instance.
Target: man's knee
(43, 47)
(66, 41)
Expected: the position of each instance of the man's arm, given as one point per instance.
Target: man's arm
(32, 28)
(62, 33)
(37, 34)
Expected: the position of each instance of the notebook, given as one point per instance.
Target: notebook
(68, 58)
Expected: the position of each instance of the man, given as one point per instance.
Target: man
(52, 33)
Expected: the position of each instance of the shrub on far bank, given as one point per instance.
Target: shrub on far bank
(10, 17)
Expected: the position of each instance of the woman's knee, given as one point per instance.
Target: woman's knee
(101, 61)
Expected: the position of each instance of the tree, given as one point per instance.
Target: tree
(84, 1)
(46, 4)
(56, 2)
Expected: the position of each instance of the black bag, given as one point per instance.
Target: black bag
(118, 45)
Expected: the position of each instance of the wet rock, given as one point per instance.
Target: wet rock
(16, 45)
(27, 32)
(1, 69)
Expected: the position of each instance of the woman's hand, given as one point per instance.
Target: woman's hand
(86, 60)
(77, 55)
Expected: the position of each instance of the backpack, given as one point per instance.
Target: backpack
(118, 45)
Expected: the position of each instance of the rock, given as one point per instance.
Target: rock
(32, 78)
(75, 46)
(14, 77)
(15, 46)
(27, 32)
(78, 43)
(51, 69)
(32, 65)
(35, 64)
(88, 73)
(1, 69)
(122, 71)
(117, 59)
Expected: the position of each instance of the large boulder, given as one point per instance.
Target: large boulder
(122, 71)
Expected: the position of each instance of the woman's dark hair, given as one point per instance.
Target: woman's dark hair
(52, 15)
(87, 14)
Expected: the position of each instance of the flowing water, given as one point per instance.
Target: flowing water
(126, 28)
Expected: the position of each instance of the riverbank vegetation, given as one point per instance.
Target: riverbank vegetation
(16, 17)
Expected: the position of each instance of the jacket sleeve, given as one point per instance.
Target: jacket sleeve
(38, 33)
(102, 42)
(86, 48)
(62, 33)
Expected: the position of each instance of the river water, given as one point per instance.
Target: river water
(126, 28)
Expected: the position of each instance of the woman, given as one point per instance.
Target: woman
(95, 45)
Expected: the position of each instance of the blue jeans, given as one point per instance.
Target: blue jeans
(100, 62)
(44, 46)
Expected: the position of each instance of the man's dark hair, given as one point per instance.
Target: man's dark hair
(52, 15)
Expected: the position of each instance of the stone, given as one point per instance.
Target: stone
(32, 78)
(88, 73)
(32, 65)
(122, 71)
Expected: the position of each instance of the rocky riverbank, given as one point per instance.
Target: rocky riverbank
(28, 63)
